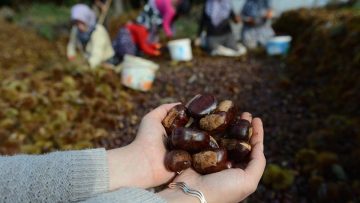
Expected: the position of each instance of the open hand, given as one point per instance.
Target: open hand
(231, 185)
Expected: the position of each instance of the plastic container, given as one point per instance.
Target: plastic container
(180, 50)
(138, 73)
(278, 45)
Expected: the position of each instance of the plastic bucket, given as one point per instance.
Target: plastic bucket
(138, 73)
(180, 50)
(278, 45)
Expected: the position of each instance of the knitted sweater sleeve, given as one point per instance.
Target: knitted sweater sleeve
(127, 195)
(55, 177)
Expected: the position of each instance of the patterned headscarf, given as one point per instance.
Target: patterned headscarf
(218, 10)
(255, 8)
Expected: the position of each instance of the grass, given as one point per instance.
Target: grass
(44, 17)
(186, 27)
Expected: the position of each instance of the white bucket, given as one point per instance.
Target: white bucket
(138, 73)
(279, 45)
(180, 50)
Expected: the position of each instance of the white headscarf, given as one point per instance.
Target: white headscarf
(83, 13)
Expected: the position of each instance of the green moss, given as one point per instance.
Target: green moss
(324, 67)
(278, 178)
(306, 160)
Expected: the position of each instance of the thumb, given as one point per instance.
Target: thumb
(160, 112)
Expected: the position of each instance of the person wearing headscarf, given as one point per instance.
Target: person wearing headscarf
(140, 36)
(215, 22)
(257, 30)
(163, 13)
(132, 39)
(91, 38)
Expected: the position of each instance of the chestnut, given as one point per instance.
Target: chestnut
(193, 124)
(190, 140)
(216, 122)
(238, 150)
(227, 106)
(175, 118)
(168, 143)
(211, 161)
(213, 144)
(201, 105)
(240, 130)
(177, 160)
(227, 143)
(220, 119)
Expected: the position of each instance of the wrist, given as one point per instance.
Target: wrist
(177, 196)
(127, 168)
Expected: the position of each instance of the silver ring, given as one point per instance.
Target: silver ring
(185, 188)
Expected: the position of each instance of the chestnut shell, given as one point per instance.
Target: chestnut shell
(175, 118)
(190, 140)
(240, 130)
(238, 151)
(218, 121)
(201, 105)
(177, 160)
(211, 161)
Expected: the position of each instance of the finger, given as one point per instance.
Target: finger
(247, 116)
(160, 112)
(258, 132)
(257, 163)
(256, 166)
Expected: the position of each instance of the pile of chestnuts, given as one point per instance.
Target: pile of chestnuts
(206, 135)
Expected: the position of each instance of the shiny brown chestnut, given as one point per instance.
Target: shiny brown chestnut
(211, 161)
(177, 160)
(190, 140)
(201, 105)
(238, 151)
(175, 118)
(240, 130)
(220, 119)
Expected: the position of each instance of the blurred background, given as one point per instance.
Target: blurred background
(308, 97)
